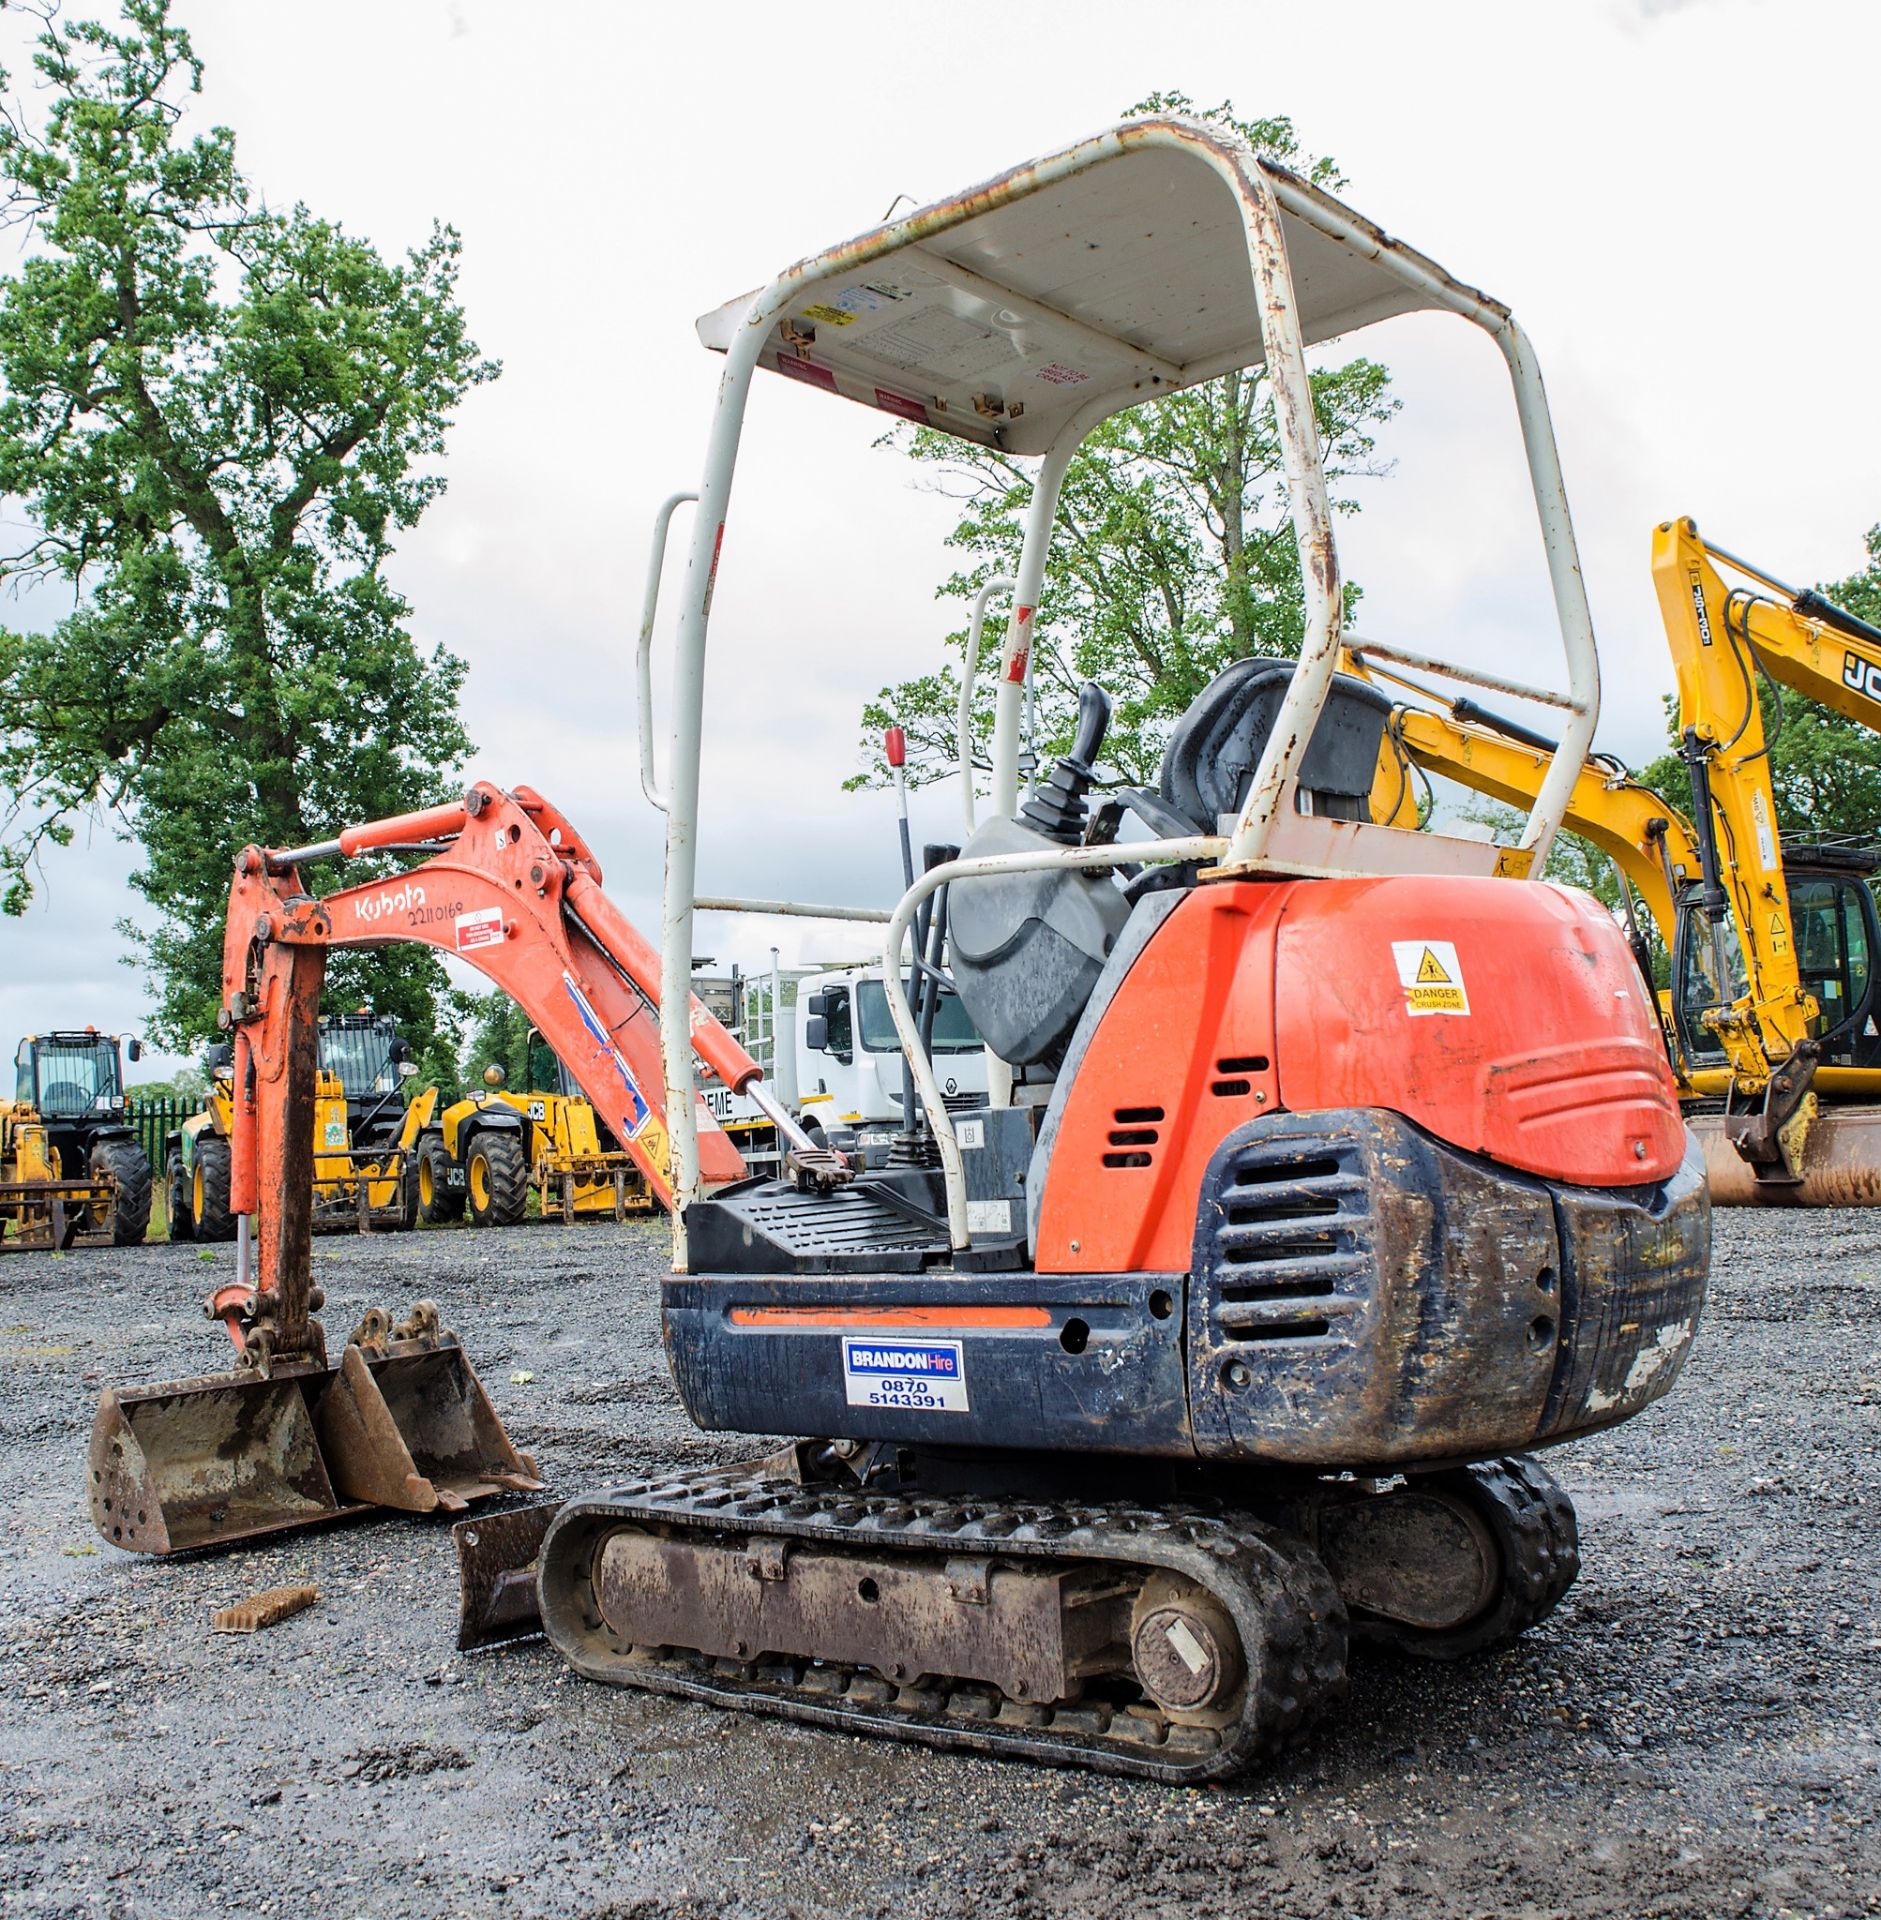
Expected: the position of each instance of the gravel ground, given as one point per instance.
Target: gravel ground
(1696, 1731)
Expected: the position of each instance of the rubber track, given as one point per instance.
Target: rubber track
(1280, 1596)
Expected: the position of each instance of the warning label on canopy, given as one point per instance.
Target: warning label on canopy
(1430, 976)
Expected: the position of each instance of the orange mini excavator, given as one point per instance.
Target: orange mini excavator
(1328, 1167)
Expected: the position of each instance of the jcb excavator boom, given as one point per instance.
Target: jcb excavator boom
(1646, 837)
(401, 1421)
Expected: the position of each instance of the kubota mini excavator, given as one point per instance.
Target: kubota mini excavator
(1329, 1167)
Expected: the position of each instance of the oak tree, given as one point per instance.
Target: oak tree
(218, 415)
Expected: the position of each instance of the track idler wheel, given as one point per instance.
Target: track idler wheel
(1185, 1650)
(1453, 1563)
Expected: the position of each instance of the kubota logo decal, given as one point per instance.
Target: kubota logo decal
(381, 906)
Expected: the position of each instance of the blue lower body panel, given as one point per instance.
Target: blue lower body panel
(1362, 1296)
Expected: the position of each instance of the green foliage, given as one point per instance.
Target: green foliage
(1174, 555)
(218, 416)
(188, 1083)
(1825, 770)
(498, 1035)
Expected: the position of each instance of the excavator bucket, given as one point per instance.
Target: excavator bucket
(202, 1463)
(199, 1463)
(1841, 1163)
(416, 1431)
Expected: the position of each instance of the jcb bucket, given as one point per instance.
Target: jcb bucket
(1841, 1164)
(200, 1463)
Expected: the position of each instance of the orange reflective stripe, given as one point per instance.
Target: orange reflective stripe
(890, 1317)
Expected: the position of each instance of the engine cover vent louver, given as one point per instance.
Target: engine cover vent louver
(1134, 1136)
(1291, 1242)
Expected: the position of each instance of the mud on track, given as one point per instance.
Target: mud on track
(1696, 1732)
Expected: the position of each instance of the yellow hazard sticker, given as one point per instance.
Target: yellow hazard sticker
(1431, 977)
(830, 316)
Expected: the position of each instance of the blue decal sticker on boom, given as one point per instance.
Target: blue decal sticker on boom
(639, 1111)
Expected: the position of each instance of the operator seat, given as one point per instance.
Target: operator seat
(1209, 763)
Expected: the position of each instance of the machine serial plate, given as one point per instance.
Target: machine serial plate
(924, 1375)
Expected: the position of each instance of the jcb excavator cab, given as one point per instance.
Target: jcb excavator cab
(1327, 1166)
(1834, 923)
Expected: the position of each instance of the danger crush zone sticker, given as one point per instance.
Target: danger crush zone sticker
(1432, 978)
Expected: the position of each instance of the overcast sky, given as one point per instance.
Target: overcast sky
(1675, 196)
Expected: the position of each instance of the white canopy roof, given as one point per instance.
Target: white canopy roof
(1119, 282)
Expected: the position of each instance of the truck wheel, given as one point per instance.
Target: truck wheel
(439, 1199)
(497, 1176)
(209, 1190)
(125, 1161)
(176, 1195)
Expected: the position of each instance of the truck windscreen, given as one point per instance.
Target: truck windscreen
(953, 1031)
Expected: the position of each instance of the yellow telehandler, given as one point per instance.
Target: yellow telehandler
(71, 1171)
(487, 1153)
(365, 1137)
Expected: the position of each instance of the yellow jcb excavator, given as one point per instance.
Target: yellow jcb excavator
(1796, 1059)
(1771, 1008)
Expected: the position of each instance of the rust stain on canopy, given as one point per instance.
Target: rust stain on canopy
(1000, 313)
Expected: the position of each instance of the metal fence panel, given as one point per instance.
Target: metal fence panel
(156, 1117)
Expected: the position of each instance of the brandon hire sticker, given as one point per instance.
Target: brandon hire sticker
(925, 1375)
(1430, 976)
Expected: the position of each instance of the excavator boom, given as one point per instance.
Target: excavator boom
(1801, 1121)
(401, 1421)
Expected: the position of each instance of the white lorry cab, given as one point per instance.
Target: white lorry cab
(832, 1055)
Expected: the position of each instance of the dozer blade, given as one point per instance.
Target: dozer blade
(202, 1463)
(1841, 1164)
(199, 1463)
(496, 1574)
